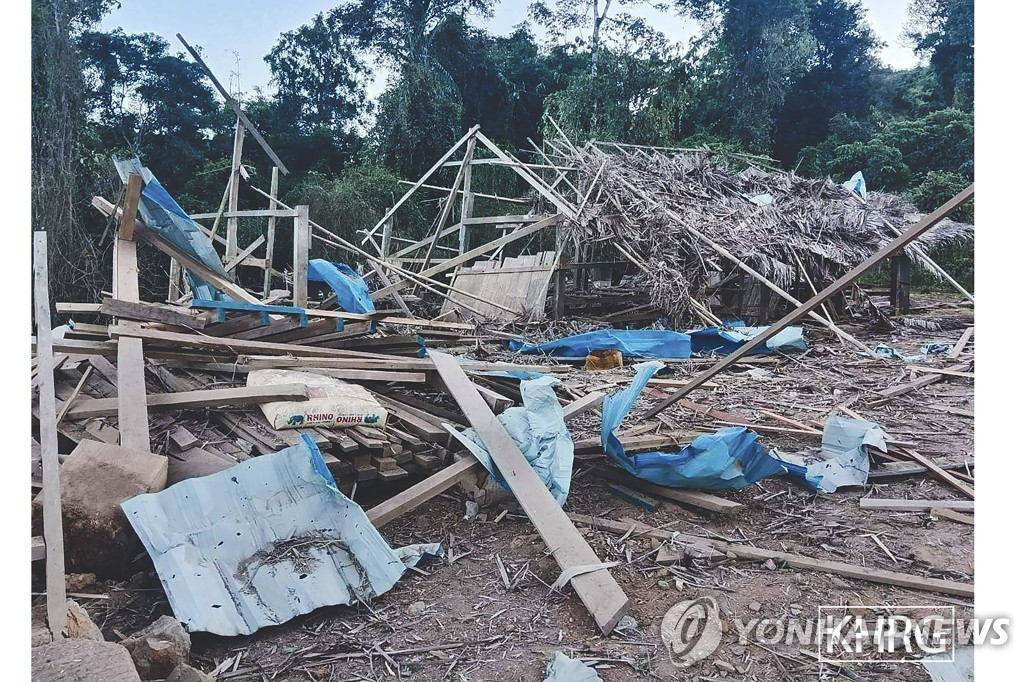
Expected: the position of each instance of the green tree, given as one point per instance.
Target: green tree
(751, 54)
(943, 31)
(837, 81)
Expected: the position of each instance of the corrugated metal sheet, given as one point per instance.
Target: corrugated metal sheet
(260, 543)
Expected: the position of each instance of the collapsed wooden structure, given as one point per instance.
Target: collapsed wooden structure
(192, 360)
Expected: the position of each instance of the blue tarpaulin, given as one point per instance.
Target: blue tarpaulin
(269, 539)
(724, 341)
(540, 433)
(632, 343)
(162, 214)
(842, 459)
(664, 343)
(730, 458)
(352, 293)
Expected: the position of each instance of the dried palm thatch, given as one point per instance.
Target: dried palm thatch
(646, 202)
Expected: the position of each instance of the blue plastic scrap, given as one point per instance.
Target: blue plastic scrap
(729, 458)
(540, 433)
(632, 343)
(842, 459)
(265, 541)
(565, 669)
(162, 214)
(857, 185)
(351, 290)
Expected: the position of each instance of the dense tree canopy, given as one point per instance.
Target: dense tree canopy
(799, 80)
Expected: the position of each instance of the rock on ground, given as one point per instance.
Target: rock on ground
(159, 648)
(186, 673)
(95, 479)
(82, 660)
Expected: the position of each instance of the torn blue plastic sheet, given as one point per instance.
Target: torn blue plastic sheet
(857, 185)
(162, 214)
(724, 341)
(540, 433)
(729, 458)
(842, 459)
(565, 669)
(350, 289)
(269, 539)
(632, 343)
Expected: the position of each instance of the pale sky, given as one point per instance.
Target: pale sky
(236, 34)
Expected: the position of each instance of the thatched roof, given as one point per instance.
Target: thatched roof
(820, 222)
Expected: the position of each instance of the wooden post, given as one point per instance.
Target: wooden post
(132, 416)
(174, 291)
(901, 273)
(385, 241)
(53, 526)
(559, 294)
(468, 199)
(236, 178)
(300, 257)
(271, 228)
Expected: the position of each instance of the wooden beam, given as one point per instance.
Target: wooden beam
(244, 254)
(943, 513)
(300, 257)
(601, 595)
(914, 505)
(233, 186)
(271, 233)
(938, 472)
(234, 105)
(53, 531)
(236, 346)
(912, 233)
(149, 312)
(191, 400)
(961, 344)
(126, 226)
(787, 559)
(900, 389)
(74, 394)
(433, 169)
(691, 498)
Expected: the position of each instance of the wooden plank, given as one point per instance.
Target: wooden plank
(446, 478)
(300, 257)
(938, 472)
(234, 180)
(789, 560)
(271, 233)
(601, 595)
(430, 171)
(74, 394)
(691, 498)
(878, 504)
(244, 254)
(236, 345)
(893, 469)
(472, 253)
(53, 531)
(961, 344)
(185, 400)
(901, 389)
(940, 370)
(150, 312)
(944, 513)
(126, 225)
(922, 226)
(234, 105)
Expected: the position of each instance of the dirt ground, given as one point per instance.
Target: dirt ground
(456, 619)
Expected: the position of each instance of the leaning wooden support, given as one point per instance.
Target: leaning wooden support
(922, 226)
(602, 596)
(300, 257)
(53, 530)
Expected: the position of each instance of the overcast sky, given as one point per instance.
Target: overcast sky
(236, 34)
